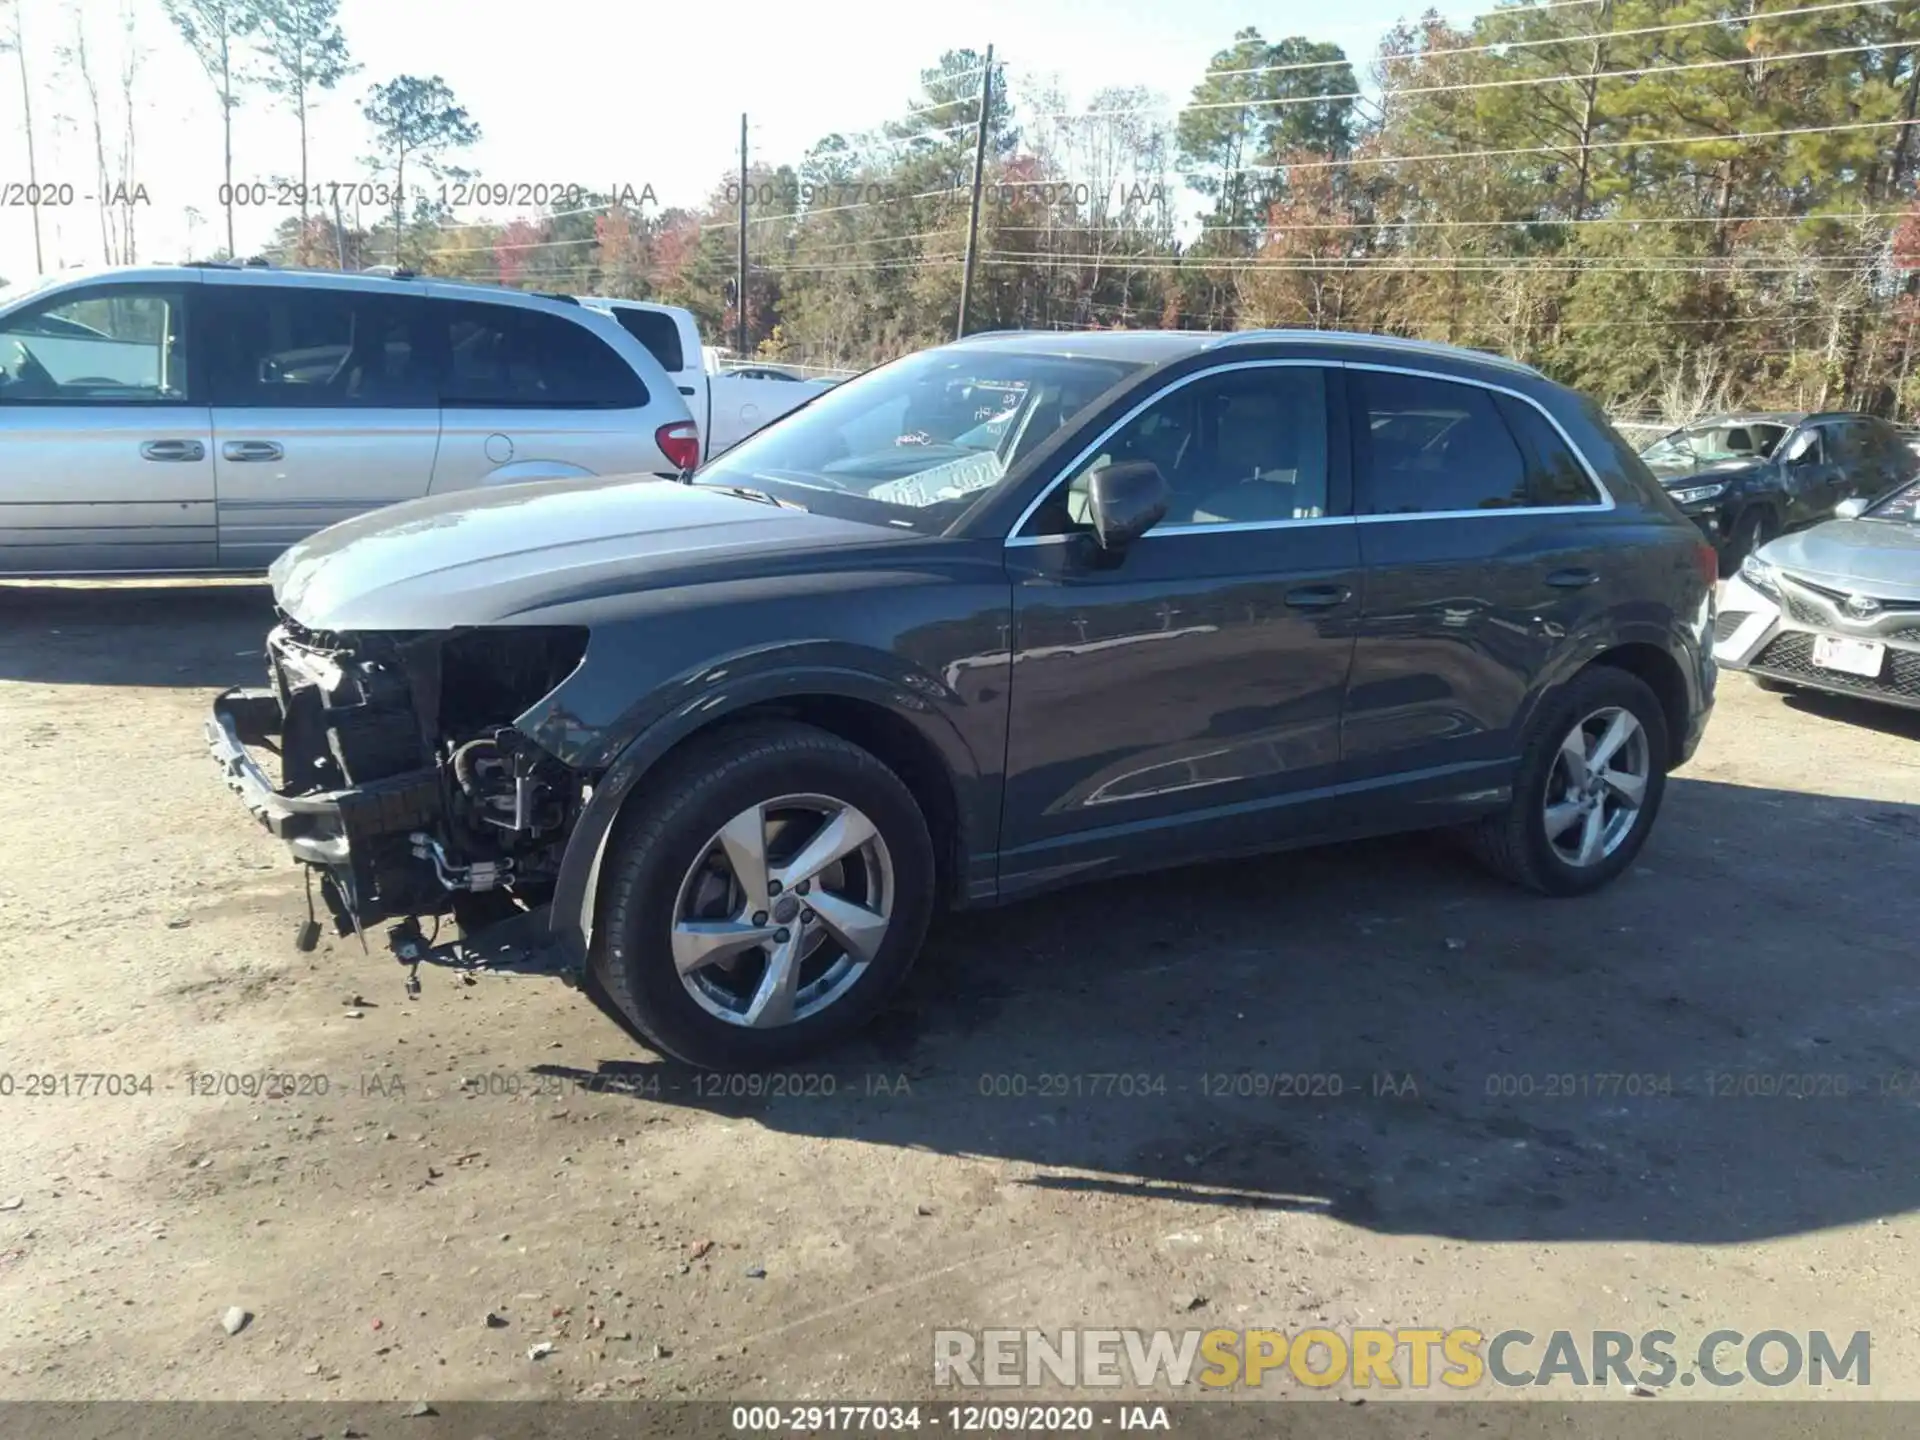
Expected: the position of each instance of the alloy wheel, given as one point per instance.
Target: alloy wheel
(1596, 786)
(782, 911)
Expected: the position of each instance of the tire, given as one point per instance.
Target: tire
(668, 853)
(1515, 845)
(1752, 530)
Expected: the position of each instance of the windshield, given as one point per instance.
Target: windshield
(1710, 442)
(915, 442)
(1902, 505)
(21, 289)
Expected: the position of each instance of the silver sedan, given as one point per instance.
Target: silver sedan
(1834, 608)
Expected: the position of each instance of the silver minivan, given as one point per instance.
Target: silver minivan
(202, 418)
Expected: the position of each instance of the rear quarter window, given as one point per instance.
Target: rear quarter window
(513, 358)
(659, 333)
(1555, 476)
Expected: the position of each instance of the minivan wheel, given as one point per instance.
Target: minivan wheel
(1590, 783)
(765, 901)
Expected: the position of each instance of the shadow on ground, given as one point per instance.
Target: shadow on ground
(1844, 709)
(1718, 1049)
(206, 634)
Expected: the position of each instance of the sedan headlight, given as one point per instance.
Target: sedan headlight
(1693, 494)
(1761, 576)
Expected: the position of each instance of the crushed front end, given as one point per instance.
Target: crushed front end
(403, 780)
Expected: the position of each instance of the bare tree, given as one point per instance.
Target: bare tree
(211, 29)
(16, 42)
(132, 56)
(305, 51)
(77, 57)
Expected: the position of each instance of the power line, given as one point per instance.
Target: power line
(1469, 19)
(1254, 227)
(794, 217)
(1457, 87)
(1422, 56)
(1451, 264)
(1648, 143)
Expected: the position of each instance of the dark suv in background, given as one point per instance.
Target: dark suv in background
(1015, 612)
(1744, 479)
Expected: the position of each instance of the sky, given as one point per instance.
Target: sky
(606, 93)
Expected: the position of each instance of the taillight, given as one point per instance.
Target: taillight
(680, 444)
(1708, 559)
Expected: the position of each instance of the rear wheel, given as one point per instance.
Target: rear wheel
(766, 901)
(1589, 786)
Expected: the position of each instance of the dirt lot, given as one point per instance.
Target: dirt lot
(494, 1144)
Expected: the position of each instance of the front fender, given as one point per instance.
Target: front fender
(729, 688)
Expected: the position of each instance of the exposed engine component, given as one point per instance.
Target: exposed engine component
(481, 875)
(440, 798)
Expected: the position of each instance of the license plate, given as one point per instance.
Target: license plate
(1855, 657)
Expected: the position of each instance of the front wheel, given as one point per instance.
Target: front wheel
(1752, 530)
(764, 902)
(1589, 785)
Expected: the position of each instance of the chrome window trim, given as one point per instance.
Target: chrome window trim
(1604, 504)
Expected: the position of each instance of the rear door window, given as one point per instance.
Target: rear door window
(505, 357)
(1427, 447)
(307, 346)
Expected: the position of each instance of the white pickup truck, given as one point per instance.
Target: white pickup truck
(727, 405)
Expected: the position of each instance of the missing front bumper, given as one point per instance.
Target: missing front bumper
(351, 836)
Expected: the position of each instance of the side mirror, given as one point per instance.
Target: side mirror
(1850, 509)
(1125, 501)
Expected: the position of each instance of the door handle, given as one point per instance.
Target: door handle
(253, 450)
(1318, 597)
(173, 450)
(1572, 579)
(686, 390)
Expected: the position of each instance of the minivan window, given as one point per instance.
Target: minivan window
(108, 346)
(1433, 446)
(512, 358)
(655, 330)
(288, 346)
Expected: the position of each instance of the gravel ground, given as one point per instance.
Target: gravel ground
(1069, 1120)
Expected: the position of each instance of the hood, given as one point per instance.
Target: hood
(483, 557)
(1876, 557)
(1708, 474)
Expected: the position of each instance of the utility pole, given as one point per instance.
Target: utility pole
(339, 234)
(973, 209)
(740, 293)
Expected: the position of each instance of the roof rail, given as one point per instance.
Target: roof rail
(556, 295)
(1391, 342)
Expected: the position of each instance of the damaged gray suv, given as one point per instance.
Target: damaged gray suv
(1011, 613)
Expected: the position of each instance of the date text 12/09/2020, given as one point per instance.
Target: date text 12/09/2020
(450, 194)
